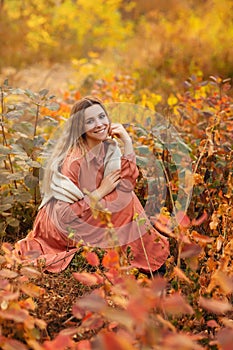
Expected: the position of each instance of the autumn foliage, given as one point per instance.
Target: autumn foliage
(103, 303)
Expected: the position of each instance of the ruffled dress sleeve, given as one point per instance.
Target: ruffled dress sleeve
(129, 172)
(71, 169)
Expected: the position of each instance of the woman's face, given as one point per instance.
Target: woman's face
(96, 125)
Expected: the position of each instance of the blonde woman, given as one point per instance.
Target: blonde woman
(87, 163)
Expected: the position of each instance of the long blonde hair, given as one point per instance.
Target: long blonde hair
(73, 136)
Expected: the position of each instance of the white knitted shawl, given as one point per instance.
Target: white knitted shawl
(62, 188)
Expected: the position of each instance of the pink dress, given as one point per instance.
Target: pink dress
(59, 226)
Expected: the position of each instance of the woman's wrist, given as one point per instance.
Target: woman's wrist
(128, 146)
(97, 194)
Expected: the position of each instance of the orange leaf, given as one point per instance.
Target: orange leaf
(201, 238)
(179, 273)
(221, 279)
(32, 290)
(111, 259)
(162, 223)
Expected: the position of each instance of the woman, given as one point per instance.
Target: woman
(86, 167)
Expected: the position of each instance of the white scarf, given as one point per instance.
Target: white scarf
(62, 188)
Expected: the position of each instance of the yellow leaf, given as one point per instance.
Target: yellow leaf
(172, 100)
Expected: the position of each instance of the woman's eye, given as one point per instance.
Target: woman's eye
(89, 121)
(102, 116)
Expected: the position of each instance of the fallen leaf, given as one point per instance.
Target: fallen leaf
(176, 305)
(180, 274)
(88, 279)
(189, 250)
(111, 259)
(214, 305)
(201, 238)
(183, 219)
(6, 273)
(92, 259)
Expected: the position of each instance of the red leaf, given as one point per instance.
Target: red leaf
(83, 345)
(111, 259)
(88, 279)
(225, 338)
(215, 306)
(61, 342)
(14, 314)
(190, 250)
(6, 273)
(183, 219)
(176, 305)
(12, 344)
(212, 324)
(111, 340)
(200, 220)
(30, 272)
(158, 285)
(92, 302)
(92, 259)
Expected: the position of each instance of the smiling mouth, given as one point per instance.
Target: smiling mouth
(100, 131)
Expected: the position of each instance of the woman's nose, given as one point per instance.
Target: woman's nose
(98, 122)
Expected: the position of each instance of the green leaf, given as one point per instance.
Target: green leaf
(12, 222)
(4, 150)
(4, 178)
(53, 106)
(43, 92)
(29, 93)
(5, 207)
(18, 91)
(16, 176)
(24, 197)
(31, 181)
(26, 144)
(25, 128)
(14, 114)
(33, 163)
(141, 161)
(51, 120)
(3, 158)
(143, 149)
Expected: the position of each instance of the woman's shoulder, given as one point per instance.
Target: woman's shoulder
(75, 154)
(73, 158)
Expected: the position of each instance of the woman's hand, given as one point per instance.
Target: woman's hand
(117, 129)
(108, 184)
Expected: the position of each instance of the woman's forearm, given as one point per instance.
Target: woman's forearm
(128, 146)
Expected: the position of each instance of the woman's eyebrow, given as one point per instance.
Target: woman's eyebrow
(91, 117)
